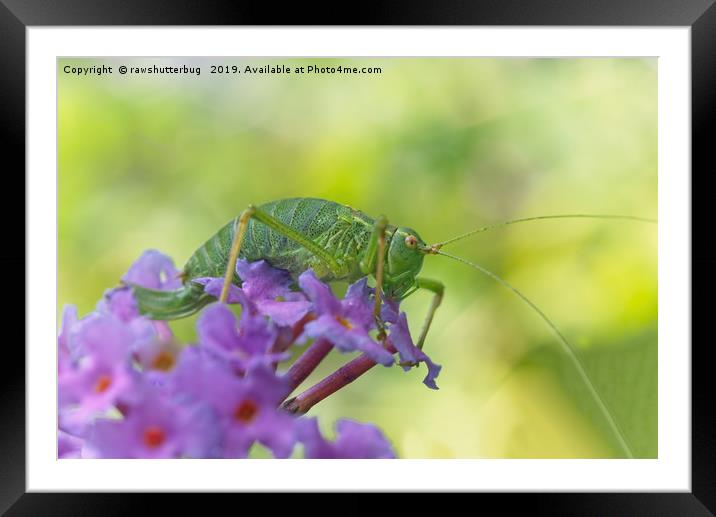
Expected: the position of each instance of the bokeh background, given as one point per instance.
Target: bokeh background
(442, 145)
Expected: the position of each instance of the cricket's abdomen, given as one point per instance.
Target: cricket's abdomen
(341, 230)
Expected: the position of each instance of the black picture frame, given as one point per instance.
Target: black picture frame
(700, 15)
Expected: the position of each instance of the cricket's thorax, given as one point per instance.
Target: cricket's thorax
(343, 231)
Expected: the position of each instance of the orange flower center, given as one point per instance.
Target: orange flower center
(164, 361)
(246, 411)
(104, 382)
(347, 324)
(154, 436)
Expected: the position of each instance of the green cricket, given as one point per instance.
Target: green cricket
(338, 242)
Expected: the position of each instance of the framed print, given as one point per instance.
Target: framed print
(452, 257)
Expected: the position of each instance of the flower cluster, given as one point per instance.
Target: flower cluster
(128, 389)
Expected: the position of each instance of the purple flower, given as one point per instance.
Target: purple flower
(247, 409)
(213, 286)
(64, 351)
(120, 303)
(103, 334)
(144, 336)
(390, 310)
(68, 446)
(264, 290)
(127, 389)
(155, 427)
(153, 270)
(102, 374)
(95, 387)
(411, 355)
(157, 355)
(251, 340)
(354, 440)
(269, 289)
(345, 323)
(193, 376)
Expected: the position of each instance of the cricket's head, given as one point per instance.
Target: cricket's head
(403, 262)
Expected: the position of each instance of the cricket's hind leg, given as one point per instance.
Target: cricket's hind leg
(241, 224)
(239, 233)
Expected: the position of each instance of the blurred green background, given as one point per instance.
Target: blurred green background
(442, 145)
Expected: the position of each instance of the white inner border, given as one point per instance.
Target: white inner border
(671, 471)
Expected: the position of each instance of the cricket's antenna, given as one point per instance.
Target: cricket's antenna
(559, 216)
(566, 346)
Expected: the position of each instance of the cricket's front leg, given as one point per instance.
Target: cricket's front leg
(438, 290)
(373, 261)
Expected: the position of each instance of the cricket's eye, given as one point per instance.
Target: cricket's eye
(411, 241)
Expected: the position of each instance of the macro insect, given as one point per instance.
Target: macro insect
(339, 243)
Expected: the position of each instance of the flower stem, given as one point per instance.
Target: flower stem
(334, 382)
(307, 362)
